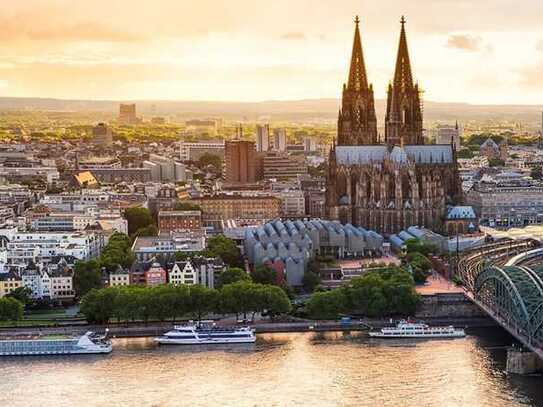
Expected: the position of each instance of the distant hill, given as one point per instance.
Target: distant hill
(325, 109)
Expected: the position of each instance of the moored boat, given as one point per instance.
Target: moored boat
(89, 343)
(407, 329)
(205, 333)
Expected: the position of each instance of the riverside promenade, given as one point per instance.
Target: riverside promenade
(140, 329)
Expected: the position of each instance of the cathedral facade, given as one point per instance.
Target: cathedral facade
(391, 184)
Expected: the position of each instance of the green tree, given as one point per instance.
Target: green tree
(11, 309)
(137, 218)
(98, 306)
(239, 297)
(21, 294)
(232, 275)
(117, 252)
(264, 275)
(150, 230)
(385, 291)
(273, 299)
(86, 277)
(202, 300)
(420, 265)
(310, 281)
(226, 249)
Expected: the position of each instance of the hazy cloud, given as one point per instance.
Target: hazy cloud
(295, 36)
(465, 42)
(31, 26)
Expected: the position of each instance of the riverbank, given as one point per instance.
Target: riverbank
(132, 330)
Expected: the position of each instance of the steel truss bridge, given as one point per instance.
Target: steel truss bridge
(505, 279)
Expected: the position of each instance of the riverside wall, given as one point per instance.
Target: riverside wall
(448, 305)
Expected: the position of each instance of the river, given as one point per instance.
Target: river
(296, 369)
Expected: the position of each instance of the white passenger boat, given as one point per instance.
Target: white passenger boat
(406, 329)
(206, 332)
(55, 345)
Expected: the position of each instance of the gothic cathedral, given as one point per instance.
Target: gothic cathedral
(391, 185)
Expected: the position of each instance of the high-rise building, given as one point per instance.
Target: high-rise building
(388, 187)
(279, 139)
(262, 138)
(240, 159)
(101, 135)
(127, 113)
(310, 144)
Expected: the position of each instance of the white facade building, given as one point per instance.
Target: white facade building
(26, 247)
(182, 273)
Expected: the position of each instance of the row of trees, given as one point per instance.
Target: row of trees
(88, 275)
(169, 302)
(388, 291)
(11, 309)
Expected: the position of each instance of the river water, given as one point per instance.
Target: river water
(298, 369)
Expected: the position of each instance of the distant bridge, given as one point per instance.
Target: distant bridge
(503, 279)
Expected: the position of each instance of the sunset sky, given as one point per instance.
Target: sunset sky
(477, 51)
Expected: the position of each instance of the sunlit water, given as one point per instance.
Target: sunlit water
(279, 370)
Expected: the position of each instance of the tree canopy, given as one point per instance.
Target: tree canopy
(387, 291)
(232, 275)
(263, 274)
(224, 248)
(138, 218)
(172, 302)
(11, 309)
(87, 276)
(21, 294)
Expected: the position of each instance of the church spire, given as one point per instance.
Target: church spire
(357, 124)
(357, 73)
(403, 122)
(403, 79)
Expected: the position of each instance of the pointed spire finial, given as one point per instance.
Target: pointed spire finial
(402, 21)
(357, 72)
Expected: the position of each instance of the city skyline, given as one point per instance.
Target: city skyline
(251, 51)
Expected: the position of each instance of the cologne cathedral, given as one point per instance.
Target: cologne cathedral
(391, 184)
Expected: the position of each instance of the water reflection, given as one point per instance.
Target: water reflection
(316, 369)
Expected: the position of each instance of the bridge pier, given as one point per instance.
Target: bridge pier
(521, 361)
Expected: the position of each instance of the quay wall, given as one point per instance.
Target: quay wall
(448, 305)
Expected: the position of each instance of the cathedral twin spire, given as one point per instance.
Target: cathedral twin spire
(357, 124)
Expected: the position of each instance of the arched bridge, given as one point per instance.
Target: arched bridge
(505, 279)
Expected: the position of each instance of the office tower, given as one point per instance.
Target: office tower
(240, 162)
(127, 113)
(262, 138)
(279, 139)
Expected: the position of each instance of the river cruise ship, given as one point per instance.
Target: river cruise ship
(205, 333)
(406, 329)
(55, 345)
